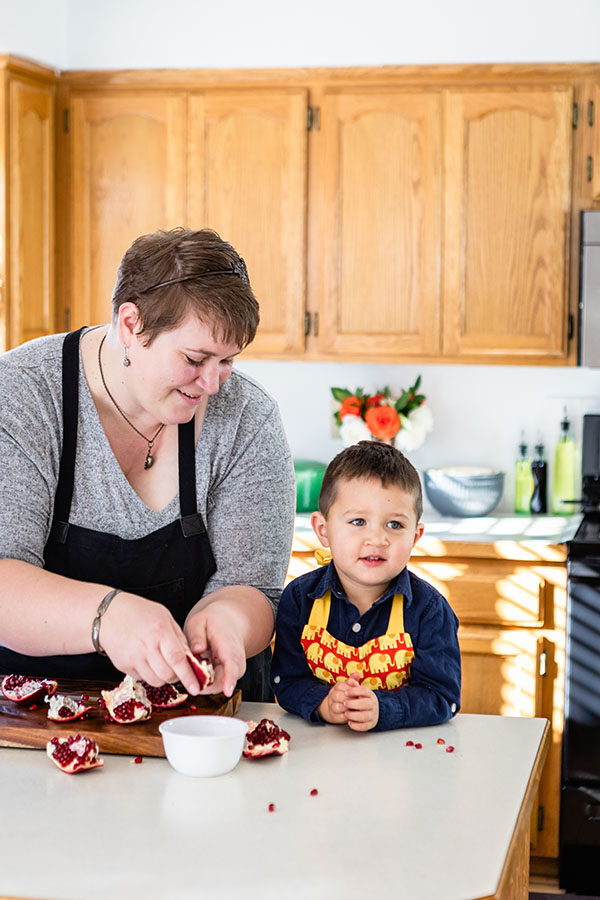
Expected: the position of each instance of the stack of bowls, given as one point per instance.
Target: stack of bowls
(464, 490)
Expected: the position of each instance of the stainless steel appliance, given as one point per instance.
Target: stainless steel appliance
(589, 296)
(580, 794)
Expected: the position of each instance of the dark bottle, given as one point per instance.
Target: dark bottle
(539, 470)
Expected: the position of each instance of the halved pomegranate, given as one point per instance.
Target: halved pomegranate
(265, 739)
(73, 754)
(128, 702)
(23, 689)
(65, 709)
(164, 697)
(203, 670)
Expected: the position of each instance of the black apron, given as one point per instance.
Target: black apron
(171, 565)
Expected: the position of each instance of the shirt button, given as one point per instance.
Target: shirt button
(277, 679)
(453, 708)
(356, 627)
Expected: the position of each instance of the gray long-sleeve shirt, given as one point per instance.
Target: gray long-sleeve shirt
(244, 472)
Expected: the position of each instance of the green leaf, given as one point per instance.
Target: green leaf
(416, 385)
(402, 401)
(359, 393)
(419, 398)
(340, 394)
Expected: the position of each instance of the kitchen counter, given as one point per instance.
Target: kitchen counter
(388, 819)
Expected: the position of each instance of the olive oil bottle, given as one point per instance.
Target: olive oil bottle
(523, 480)
(563, 476)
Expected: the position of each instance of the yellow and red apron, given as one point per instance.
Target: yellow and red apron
(383, 663)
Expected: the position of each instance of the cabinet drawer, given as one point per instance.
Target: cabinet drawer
(492, 592)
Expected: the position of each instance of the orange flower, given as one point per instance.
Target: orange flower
(383, 422)
(350, 407)
(375, 400)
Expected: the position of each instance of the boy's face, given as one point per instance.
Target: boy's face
(371, 531)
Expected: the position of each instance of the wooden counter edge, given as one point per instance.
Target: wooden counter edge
(514, 878)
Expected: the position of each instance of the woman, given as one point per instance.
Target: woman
(147, 491)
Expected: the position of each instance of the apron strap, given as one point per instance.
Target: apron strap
(191, 520)
(319, 614)
(396, 623)
(70, 399)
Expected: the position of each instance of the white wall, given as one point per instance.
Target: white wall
(479, 410)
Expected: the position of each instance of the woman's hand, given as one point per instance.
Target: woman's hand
(216, 632)
(142, 639)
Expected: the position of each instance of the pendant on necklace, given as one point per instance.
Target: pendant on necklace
(148, 461)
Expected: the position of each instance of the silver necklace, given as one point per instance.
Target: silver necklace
(150, 441)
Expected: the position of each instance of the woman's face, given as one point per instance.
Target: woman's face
(178, 369)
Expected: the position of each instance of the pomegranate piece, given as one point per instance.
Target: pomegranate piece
(128, 702)
(410, 743)
(271, 807)
(265, 739)
(163, 697)
(74, 754)
(65, 709)
(418, 746)
(138, 760)
(449, 749)
(203, 670)
(314, 792)
(441, 741)
(23, 689)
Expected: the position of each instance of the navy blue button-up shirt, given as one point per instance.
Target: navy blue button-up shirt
(431, 695)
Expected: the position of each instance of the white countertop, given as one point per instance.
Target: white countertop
(388, 820)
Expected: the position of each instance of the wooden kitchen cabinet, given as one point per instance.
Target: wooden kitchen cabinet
(510, 598)
(27, 210)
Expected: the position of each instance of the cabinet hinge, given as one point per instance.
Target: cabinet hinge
(589, 168)
(543, 664)
(67, 319)
(306, 324)
(575, 115)
(313, 118)
(570, 327)
(540, 818)
(66, 121)
(590, 112)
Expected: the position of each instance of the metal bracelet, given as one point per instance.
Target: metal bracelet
(96, 625)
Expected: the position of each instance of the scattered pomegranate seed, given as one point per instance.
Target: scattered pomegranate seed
(449, 749)
(33, 706)
(85, 697)
(410, 743)
(271, 807)
(418, 746)
(441, 741)
(101, 703)
(193, 707)
(314, 792)
(107, 717)
(138, 759)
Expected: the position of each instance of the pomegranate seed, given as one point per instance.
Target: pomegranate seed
(107, 717)
(441, 741)
(410, 743)
(85, 697)
(193, 707)
(33, 706)
(138, 759)
(449, 749)
(271, 807)
(314, 792)
(418, 746)
(101, 703)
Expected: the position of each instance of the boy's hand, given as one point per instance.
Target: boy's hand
(361, 706)
(333, 708)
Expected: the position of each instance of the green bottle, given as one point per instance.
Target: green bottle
(523, 481)
(563, 476)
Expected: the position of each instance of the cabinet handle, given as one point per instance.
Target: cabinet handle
(316, 324)
(306, 324)
(589, 168)
(543, 665)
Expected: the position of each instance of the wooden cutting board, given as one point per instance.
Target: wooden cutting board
(21, 726)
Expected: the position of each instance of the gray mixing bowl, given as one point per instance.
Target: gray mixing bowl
(464, 490)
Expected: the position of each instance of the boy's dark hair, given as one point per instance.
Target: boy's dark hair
(371, 459)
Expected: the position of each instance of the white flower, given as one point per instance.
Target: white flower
(412, 436)
(354, 429)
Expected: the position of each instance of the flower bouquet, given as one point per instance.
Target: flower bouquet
(403, 421)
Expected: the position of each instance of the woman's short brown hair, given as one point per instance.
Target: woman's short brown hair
(168, 274)
(371, 459)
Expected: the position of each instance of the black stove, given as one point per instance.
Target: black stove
(580, 789)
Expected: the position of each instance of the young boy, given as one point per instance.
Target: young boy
(362, 641)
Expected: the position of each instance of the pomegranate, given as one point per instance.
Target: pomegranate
(65, 709)
(203, 670)
(22, 689)
(128, 702)
(265, 739)
(74, 754)
(163, 697)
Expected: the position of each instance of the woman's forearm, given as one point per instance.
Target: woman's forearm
(250, 610)
(45, 614)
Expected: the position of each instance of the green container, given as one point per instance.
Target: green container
(309, 477)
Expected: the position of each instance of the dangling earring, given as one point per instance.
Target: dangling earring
(126, 360)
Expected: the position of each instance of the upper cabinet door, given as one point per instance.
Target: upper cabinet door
(247, 181)
(507, 204)
(378, 220)
(31, 210)
(127, 178)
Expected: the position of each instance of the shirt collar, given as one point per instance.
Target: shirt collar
(330, 581)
